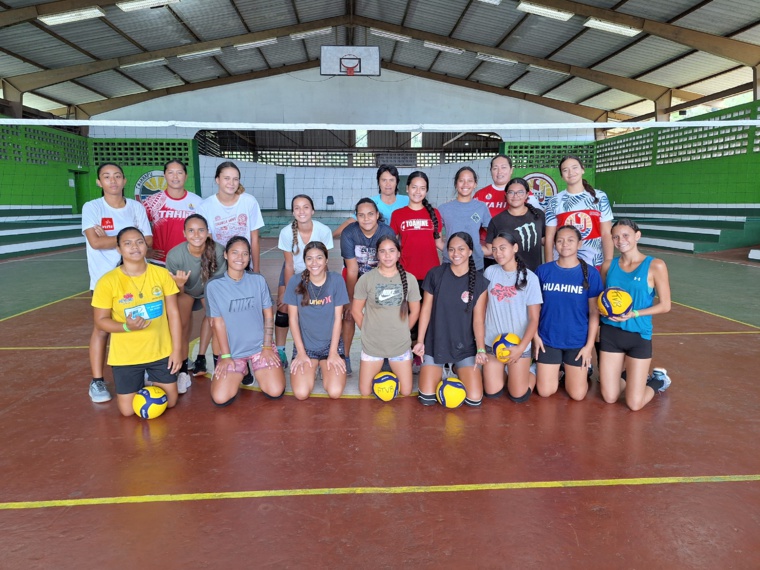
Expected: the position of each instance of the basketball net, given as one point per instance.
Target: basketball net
(350, 69)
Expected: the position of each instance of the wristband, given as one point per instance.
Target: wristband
(126, 328)
(635, 313)
(224, 356)
(481, 351)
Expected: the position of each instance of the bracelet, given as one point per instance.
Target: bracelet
(635, 313)
(224, 356)
(126, 328)
(481, 351)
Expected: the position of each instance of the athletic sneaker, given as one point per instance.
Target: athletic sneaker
(283, 358)
(99, 392)
(348, 366)
(183, 382)
(199, 366)
(247, 379)
(659, 375)
(416, 364)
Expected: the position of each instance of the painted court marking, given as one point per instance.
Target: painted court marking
(182, 497)
(45, 305)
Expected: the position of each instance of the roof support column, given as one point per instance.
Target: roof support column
(601, 134)
(662, 104)
(756, 83)
(14, 97)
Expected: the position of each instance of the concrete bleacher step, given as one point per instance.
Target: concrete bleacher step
(696, 228)
(754, 254)
(33, 229)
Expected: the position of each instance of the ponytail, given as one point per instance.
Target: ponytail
(521, 279)
(303, 287)
(404, 309)
(433, 217)
(471, 275)
(294, 247)
(590, 189)
(584, 268)
(208, 259)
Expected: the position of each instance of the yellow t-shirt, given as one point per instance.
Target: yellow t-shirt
(143, 296)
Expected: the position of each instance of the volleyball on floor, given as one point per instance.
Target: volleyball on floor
(149, 402)
(503, 345)
(614, 302)
(450, 392)
(385, 386)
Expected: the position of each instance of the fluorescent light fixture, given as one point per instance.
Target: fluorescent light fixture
(546, 69)
(73, 16)
(310, 34)
(611, 27)
(201, 53)
(494, 59)
(142, 4)
(441, 47)
(544, 11)
(494, 2)
(258, 44)
(149, 63)
(389, 35)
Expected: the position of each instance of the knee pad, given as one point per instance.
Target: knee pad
(274, 397)
(496, 395)
(427, 399)
(473, 403)
(281, 320)
(524, 398)
(224, 404)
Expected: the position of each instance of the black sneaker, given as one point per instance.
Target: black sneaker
(247, 379)
(199, 366)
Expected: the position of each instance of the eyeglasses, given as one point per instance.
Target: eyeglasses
(517, 193)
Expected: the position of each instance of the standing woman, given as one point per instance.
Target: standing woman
(231, 212)
(293, 238)
(463, 214)
(584, 208)
(514, 305)
(240, 308)
(102, 219)
(358, 247)
(386, 306)
(137, 304)
(315, 300)
(626, 342)
(192, 264)
(526, 222)
(452, 317)
(418, 228)
(569, 317)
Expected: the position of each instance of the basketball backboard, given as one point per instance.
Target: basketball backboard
(350, 60)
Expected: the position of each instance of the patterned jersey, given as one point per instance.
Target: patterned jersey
(167, 217)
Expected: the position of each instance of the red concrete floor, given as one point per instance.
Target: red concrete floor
(356, 483)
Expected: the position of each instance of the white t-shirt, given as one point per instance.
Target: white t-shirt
(112, 220)
(226, 222)
(319, 232)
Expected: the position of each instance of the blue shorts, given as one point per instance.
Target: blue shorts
(322, 353)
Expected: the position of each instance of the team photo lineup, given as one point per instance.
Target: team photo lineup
(491, 294)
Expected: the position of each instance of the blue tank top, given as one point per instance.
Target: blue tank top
(635, 283)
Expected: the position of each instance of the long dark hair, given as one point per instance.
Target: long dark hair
(294, 224)
(235, 240)
(428, 207)
(208, 257)
(392, 170)
(404, 309)
(584, 265)
(521, 279)
(121, 233)
(471, 272)
(586, 186)
(303, 287)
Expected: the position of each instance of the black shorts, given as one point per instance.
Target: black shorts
(615, 339)
(564, 356)
(129, 379)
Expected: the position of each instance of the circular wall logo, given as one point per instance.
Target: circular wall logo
(542, 185)
(149, 183)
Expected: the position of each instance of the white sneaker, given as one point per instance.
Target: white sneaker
(146, 379)
(183, 382)
(99, 392)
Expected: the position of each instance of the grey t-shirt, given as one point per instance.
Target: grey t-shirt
(180, 259)
(240, 304)
(384, 333)
(507, 310)
(465, 217)
(316, 319)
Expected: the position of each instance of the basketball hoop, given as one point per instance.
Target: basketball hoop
(350, 64)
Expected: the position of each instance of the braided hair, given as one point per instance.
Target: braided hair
(584, 265)
(471, 272)
(303, 287)
(294, 224)
(521, 279)
(404, 309)
(208, 257)
(524, 183)
(586, 186)
(428, 207)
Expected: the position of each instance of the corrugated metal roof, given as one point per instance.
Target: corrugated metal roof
(454, 65)
(266, 14)
(35, 44)
(497, 74)
(538, 82)
(155, 77)
(69, 93)
(539, 36)
(111, 84)
(152, 29)
(287, 51)
(486, 24)
(590, 47)
(688, 69)
(575, 90)
(308, 10)
(722, 82)
(41, 103)
(97, 38)
(363, 37)
(721, 17)
(10, 66)
(414, 54)
(638, 109)
(436, 16)
(611, 99)
(202, 69)
(245, 60)
(387, 10)
(657, 11)
(751, 36)
(314, 45)
(642, 56)
(210, 19)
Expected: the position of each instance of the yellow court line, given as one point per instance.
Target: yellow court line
(375, 491)
(705, 333)
(45, 305)
(715, 315)
(42, 347)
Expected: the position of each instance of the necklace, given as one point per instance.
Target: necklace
(235, 280)
(139, 289)
(315, 296)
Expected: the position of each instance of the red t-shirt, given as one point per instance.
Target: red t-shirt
(415, 229)
(167, 218)
(495, 200)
